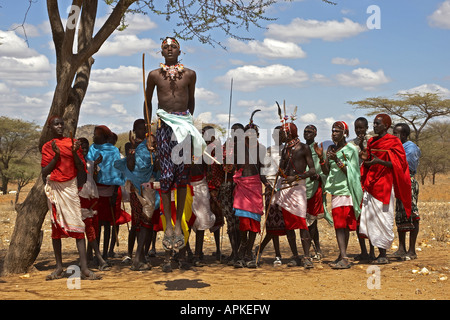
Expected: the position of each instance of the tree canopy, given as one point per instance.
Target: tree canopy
(416, 109)
(18, 143)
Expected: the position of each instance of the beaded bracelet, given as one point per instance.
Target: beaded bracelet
(340, 164)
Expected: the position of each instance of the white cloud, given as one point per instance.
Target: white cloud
(126, 42)
(346, 61)
(20, 65)
(301, 30)
(118, 108)
(204, 116)
(127, 45)
(441, 17)
(320, 78)
(251, 78)
(109, 81)
(27, 107)
(27, 29)
(136, 23)
(113, 87)
(363, 77)
(308, 118)
(122, 74)
(222, 119)
(14, 46)
(428, 88)
(210, 97)
(268, 48)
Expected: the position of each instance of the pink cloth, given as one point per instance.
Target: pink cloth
(248, 193)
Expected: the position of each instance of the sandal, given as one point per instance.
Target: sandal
(341, 264)
(167, 242)
(54, 275)
(126, 260)
(184, 265)
(277, 262)
(104, 267)
(294, 262)
(178, 241)
(140, 267)
(380, 260)
(307, 263)
(251, 264)
(239, 264)
(399, 255)
(317, 257)
(410, 256)
(91, 276)
(167, 267)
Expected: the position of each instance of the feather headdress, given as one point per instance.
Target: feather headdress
(251, 124)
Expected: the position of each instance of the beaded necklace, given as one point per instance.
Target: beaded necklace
(288, 149)
(172, 70)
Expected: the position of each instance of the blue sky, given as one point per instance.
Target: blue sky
(314, 55)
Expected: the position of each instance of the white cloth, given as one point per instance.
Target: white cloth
(105, 191)
(89, 191)
(292, 199)
(64, 196)
(272, 163)
(341, 201)
(204, 217)
(148, 198)
(377, 220)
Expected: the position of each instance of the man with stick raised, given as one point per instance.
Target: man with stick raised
(175, 87)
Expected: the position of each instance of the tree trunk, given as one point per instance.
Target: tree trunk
(71, 69)
(27, 235)
(5, 181)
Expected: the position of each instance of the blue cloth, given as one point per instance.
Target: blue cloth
(413, 154)
(247, 214)
(108, 174)
(143, 169)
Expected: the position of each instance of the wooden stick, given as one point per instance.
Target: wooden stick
(146, 105)
(211, 157)
(93, 205)
(265, 214)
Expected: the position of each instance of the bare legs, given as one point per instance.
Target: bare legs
(173, 235)
(57, 249)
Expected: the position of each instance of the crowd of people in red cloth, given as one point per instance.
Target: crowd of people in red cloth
(367, 182)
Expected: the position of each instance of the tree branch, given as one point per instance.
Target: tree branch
(56, 25)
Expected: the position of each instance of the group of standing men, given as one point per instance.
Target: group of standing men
(368, 180)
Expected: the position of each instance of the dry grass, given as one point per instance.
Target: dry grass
(440, 192)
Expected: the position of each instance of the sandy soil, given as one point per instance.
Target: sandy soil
(399, 280)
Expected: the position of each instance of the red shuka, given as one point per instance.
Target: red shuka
(378, 179)
(65, 169)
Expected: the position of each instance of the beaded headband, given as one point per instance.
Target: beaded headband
(169, 41)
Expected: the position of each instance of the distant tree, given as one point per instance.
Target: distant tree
(18, 142)
(416, 109)
(434, 147)
(23, 175)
